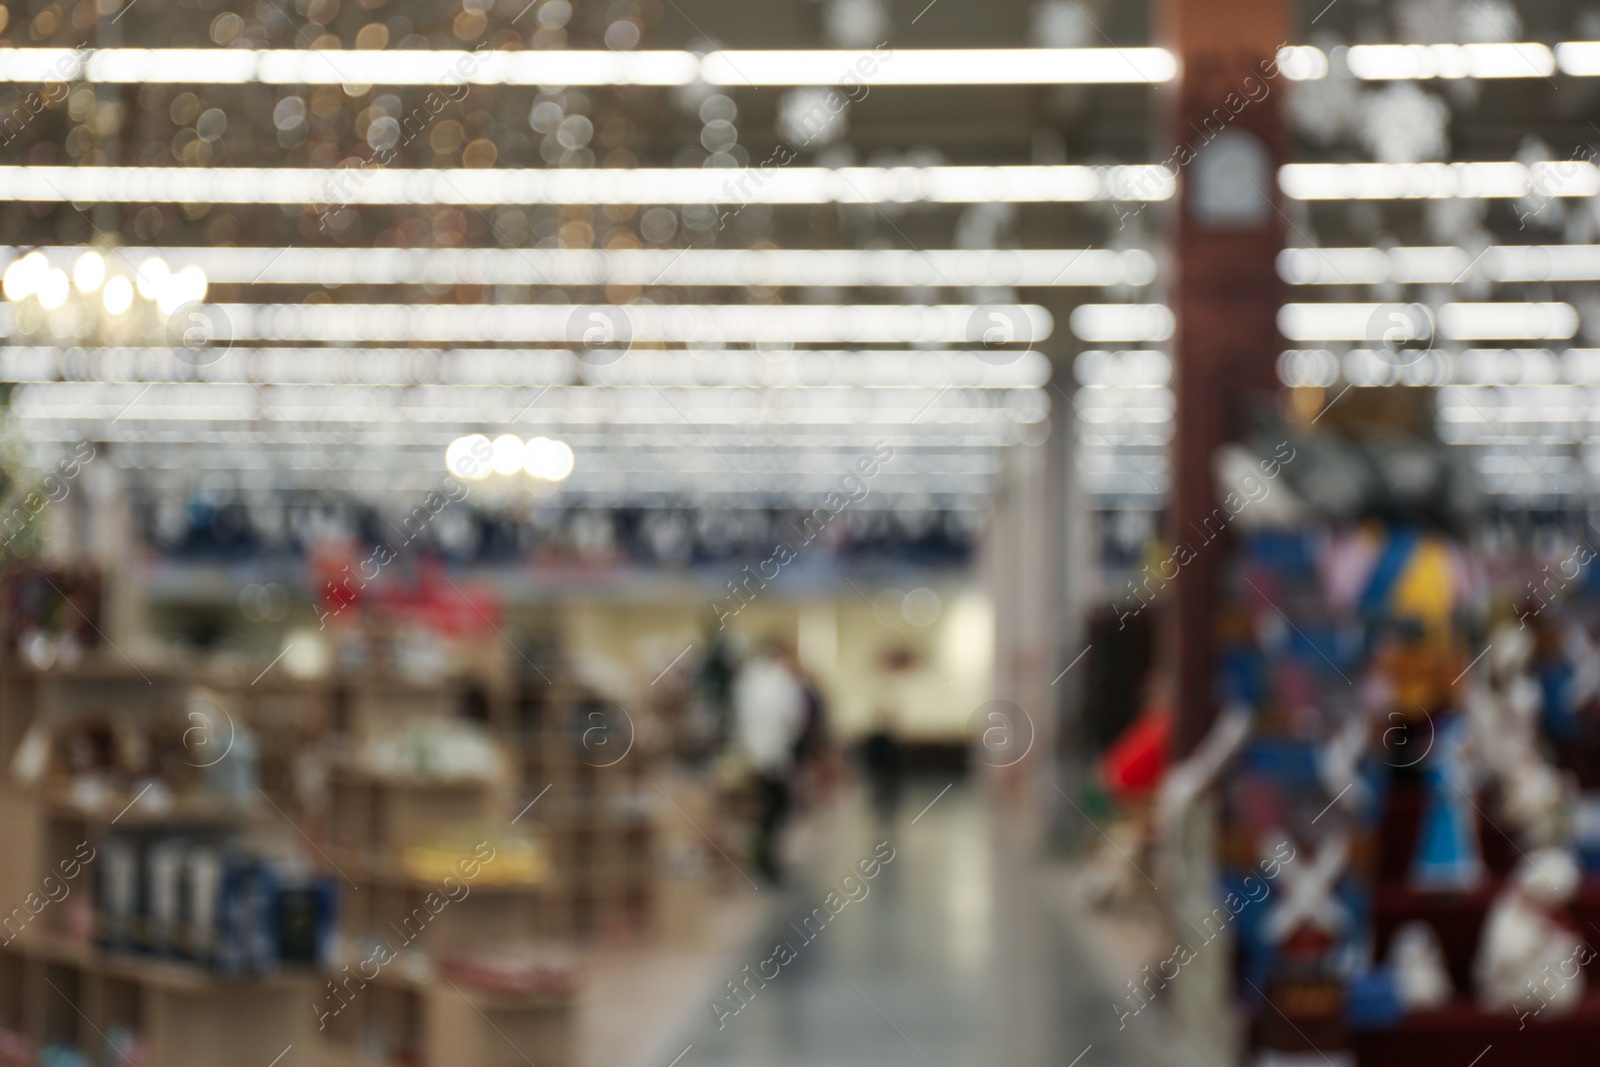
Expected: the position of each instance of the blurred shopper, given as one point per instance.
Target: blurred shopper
(880, 758)
(769, 705)
(814, 758)
(710, 715)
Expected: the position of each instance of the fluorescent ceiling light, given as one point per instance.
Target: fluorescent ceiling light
(1579, 58)
(1543, 263)
(643, 323)
(1434, 265)
(1302, 63)
(1122, 322)
(734, 68)
(1523, 366)
(1458, 321)
(503, 367)
(793, 185)
(1506, 321)
(294, 407)
(1505, 367)
(300, 66)
(1333, 322)
(675, 185)
(1412, 181)
(1136, 369)
(1385, 62)
(1333, 266)
(697, 266)
(942, 66)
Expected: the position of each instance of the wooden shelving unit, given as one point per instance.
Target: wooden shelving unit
(584, 759)
(599, 821)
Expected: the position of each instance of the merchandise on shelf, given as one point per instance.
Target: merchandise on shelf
(1345, 638)
(207, 901)
(522, 970)
(1421, 978)
(1532, 950)
(432, 748)
(1425, 713)
(508, 858)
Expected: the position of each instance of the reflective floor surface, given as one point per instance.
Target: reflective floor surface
(946, 957)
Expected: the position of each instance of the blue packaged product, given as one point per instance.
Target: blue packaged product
(1372, 1000)
(1289, 763)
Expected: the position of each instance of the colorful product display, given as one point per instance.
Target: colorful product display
(1343, 643)
(1422, 730)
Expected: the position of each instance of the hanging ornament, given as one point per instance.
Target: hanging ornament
(1404, 124)
(856, 23)
(1062, 24)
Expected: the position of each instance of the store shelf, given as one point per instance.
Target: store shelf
(1458, 919)
(129, 811)
(1461, 1032)
(483, 1000)
(358, 775)
(174, 975)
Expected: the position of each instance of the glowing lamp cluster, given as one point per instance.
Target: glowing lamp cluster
(475, 457)
(94, 300)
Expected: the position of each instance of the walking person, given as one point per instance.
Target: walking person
(769, 707)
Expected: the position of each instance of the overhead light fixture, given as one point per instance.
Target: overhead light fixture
(151, 276)
(695, 324)
(117, 296)
(508, 454)
(22, 277)
(1396, 62)
(53, 289)
(1135, 369)
(1122, 322)
(1457, 321)
(797, 372)
(1302, 62)
(819, 67)
(89, 272)
(1508, 321)
(889, 268)
(1438, 181)
(764, 67)
(549, 460)
(469, 457)
(75, 297)
(400, 411)
(943, 66)
(555, 185)
(1579, 58)
(1439, 265)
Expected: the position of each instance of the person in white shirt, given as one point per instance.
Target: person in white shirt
(769, 711)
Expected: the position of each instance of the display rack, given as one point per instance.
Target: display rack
(57, 987)
(586, 771)
(183, 1012)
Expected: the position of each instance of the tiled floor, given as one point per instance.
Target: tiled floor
(947, 958)
(635, 997)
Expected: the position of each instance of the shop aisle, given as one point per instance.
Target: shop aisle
(944, 958)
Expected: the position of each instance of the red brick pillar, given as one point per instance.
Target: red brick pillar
(1227, 140)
